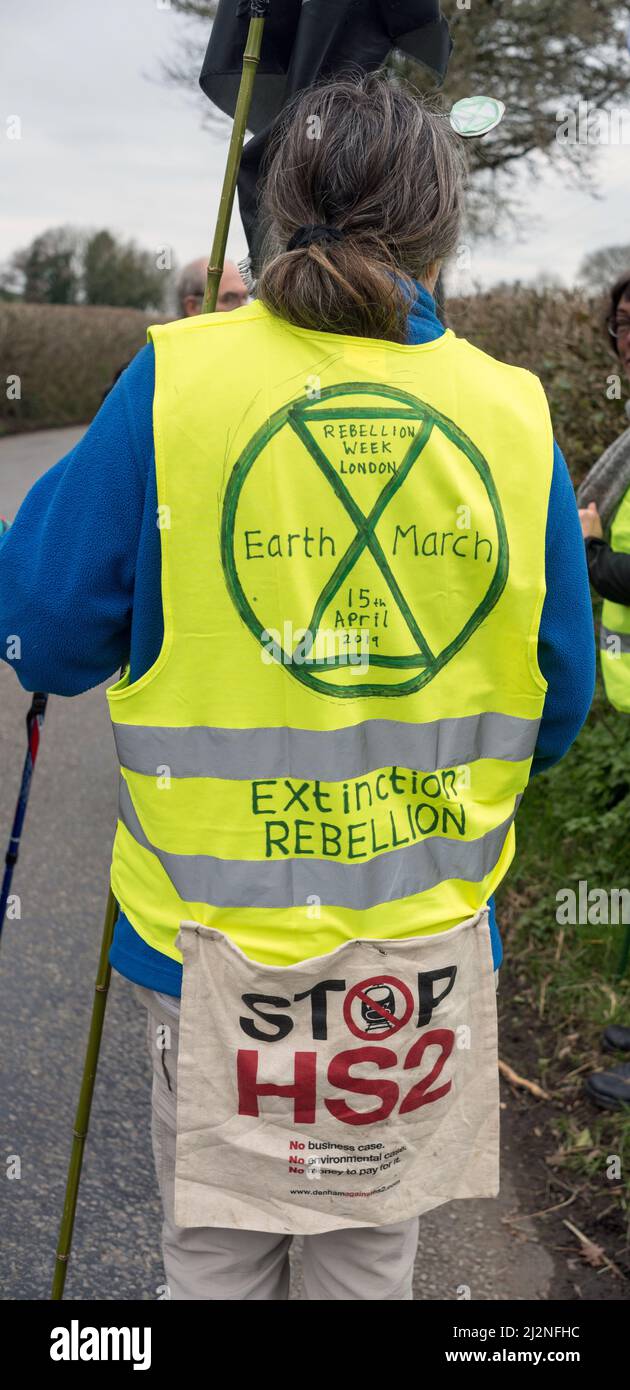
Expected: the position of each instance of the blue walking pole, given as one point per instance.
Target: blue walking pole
(34, 721)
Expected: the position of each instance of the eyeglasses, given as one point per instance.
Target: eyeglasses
(619, 327)
(232, 299)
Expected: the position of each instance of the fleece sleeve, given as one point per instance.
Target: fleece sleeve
(68, 561)
(566, 639)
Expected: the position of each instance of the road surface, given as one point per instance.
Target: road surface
(476, 1249)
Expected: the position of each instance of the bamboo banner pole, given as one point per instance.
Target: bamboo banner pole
(82, 1118)
(259, 9)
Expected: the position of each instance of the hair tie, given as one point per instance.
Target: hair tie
(305, 235)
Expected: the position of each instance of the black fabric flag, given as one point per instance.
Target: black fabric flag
(304, 40)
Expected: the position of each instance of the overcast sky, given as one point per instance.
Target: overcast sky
(106, 144)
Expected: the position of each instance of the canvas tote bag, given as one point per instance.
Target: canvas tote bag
(358, 1088)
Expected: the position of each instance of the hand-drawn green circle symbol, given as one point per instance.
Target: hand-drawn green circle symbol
(423, 664)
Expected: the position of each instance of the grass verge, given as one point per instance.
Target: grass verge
(563, 977)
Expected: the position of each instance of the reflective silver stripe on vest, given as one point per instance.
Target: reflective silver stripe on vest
(606, 635)
(203, 878)
(331, 755)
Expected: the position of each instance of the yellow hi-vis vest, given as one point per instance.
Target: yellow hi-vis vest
(336, 734)
(614, 633)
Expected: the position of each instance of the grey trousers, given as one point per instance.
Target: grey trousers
(369, 1263)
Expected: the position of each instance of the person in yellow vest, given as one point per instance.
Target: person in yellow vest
(604, 500)
(346, 582)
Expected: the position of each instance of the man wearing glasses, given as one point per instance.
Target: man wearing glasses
(192, 283)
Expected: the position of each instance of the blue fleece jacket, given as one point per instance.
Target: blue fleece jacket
(80, 582)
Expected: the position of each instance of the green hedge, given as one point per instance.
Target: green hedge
(558, 335)
(65, 356)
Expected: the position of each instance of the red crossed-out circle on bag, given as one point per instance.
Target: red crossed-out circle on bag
(385, 1006)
